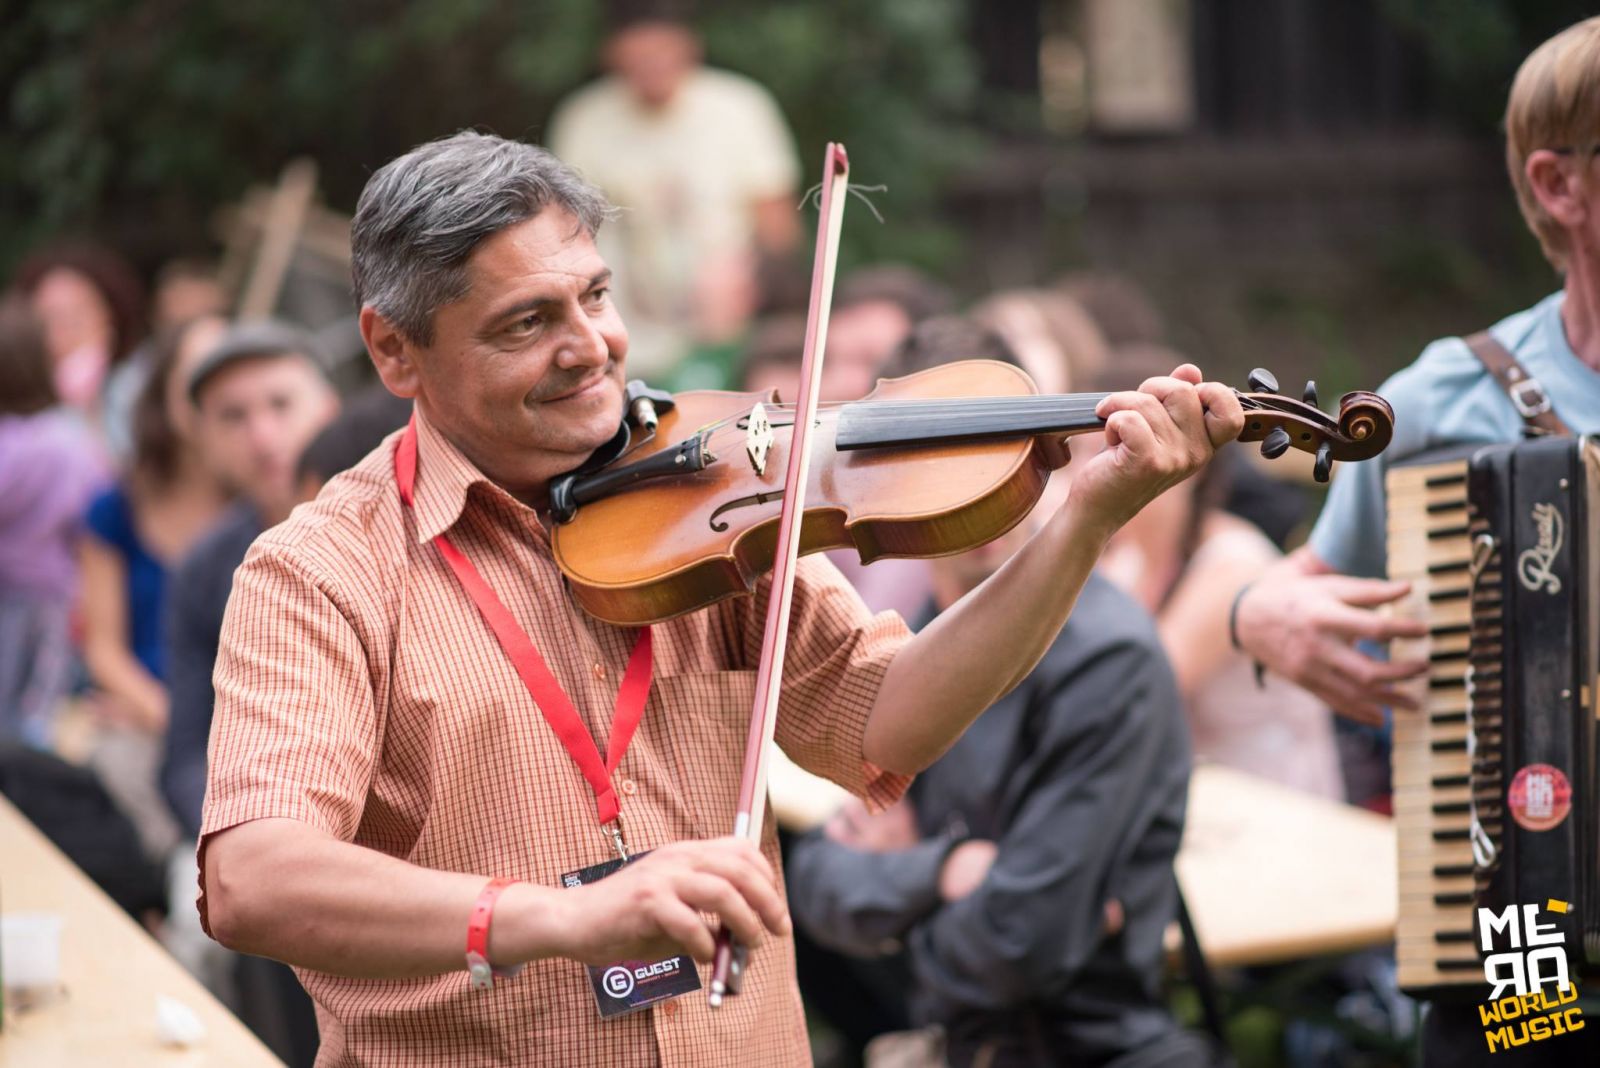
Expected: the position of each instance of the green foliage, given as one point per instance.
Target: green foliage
(1475, 46)
(134, 119)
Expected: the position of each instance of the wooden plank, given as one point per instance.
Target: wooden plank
(112, 972)
(1273, 874)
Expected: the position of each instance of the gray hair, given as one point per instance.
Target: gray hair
(421, 216)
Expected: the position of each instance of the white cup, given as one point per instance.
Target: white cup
(30, 950)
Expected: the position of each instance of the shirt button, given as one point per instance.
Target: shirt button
(629, 787)
(600, 671)
(670, 1009)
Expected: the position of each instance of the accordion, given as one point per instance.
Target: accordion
(1496, 794)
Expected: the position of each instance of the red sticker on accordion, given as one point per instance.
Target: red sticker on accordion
(1540, 797)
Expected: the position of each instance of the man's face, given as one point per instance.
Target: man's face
(861, 337)
(255, 419)
(653, 59)
(525, 372)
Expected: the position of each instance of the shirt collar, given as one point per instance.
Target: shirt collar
(444, 478)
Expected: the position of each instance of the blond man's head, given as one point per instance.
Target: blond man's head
(1553, 132)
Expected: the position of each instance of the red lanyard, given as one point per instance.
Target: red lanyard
(536, 676)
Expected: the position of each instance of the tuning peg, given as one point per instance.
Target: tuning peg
(1324, 465)
(1310, 394)
(1275, 444)
(1262, 380)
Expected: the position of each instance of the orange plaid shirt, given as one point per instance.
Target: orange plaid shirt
(359, 690)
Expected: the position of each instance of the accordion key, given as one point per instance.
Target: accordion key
(1496, 794)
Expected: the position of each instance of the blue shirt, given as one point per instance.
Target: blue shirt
(1447, 398)
(111, 520)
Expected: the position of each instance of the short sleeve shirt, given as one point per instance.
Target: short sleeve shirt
(358, 690)
(1447, 398)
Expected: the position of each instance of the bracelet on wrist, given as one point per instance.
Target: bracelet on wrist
(1233, 635)
(479, 970)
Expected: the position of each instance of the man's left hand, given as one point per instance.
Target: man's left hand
(1156, 437)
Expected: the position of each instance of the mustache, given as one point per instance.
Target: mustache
(568, 381)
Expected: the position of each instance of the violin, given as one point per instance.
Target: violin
(682, 509)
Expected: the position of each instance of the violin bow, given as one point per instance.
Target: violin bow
(728, 965)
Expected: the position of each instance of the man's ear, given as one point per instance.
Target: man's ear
(1558, 187)
(392, 354)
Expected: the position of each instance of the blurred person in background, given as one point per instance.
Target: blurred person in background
(367, 418)
(1055, 339)
(771, 357)
(1122, 310)
(50, 468)
(287, 387)
(874, 311)
(270, 423)
(185, 290)
(137, 531)
(1028, 873)
(260, 395)
(1183, 558)
(92, 306)
(702, 166)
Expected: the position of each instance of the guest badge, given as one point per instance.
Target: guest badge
(630, 985)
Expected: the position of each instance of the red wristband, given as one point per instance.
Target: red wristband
(478, 966)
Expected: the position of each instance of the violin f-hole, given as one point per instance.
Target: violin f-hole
(764, 497)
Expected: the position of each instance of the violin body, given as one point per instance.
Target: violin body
(669, 546)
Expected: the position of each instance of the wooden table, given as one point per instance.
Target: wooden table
(1270, 874)
(112, 971)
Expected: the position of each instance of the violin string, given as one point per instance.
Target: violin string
(1067, 406)
(893, 409)
(721, 435)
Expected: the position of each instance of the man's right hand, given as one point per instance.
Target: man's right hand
(652, 908)
(1302, 621)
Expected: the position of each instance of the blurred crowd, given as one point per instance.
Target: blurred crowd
(146, 440)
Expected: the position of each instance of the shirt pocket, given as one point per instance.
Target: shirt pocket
(708, 717)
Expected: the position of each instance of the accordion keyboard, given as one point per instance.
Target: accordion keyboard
(1430, 544)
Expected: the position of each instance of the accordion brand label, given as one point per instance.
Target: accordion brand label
(1536, 564)
(1540, 797)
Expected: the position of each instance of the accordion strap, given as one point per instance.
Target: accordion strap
(1527, 394)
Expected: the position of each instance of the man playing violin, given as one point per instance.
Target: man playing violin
(394, 795)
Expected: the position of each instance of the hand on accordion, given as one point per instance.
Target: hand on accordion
(1302, 622)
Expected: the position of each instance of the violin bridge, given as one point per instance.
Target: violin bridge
(758, 438)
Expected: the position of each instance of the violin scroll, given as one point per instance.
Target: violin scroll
(1361, 430)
